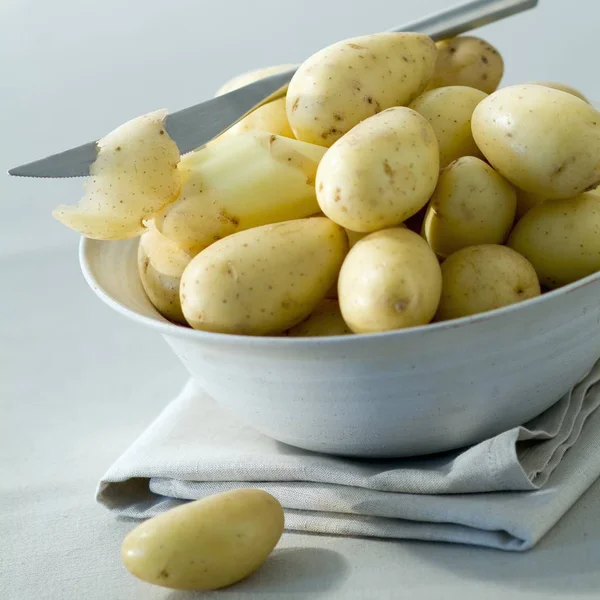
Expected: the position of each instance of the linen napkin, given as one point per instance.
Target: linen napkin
(505, 492)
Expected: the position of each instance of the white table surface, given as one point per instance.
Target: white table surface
(78, 382)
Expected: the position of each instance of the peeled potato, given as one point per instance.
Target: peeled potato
(243, 181)
(161, 263)
(133, 177)
(326, 319)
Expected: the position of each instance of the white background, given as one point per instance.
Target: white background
(70, 71)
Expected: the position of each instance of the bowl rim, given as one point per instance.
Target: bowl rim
(172, 329)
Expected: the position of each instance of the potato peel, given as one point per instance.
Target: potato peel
(134, 176)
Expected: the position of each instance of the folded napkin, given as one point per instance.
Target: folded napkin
(505, 492)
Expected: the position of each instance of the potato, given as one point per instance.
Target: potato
(242, 182)
(449, 111)
(544, 141)
(251, 76)
(480, 278)
(469, 61)
(325, 319)
(471, 205)
(134, 175)
(264, 280)
(381, 172)
(391, 279)
(206, 544)
(526, 201)
(561, 239)
(343, 84)
(563, 87)
(270, 117)
(161, 263)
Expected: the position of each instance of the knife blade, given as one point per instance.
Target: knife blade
(194, 126)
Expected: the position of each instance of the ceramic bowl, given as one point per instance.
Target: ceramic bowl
(401, 393)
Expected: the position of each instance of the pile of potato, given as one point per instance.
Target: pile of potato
(392, 186)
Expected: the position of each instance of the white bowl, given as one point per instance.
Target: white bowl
(400, 393)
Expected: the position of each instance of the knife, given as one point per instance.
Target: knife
(194, 126)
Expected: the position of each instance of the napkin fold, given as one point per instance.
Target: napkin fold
(505, 492)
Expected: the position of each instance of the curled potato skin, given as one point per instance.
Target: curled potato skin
(134, 176)
(347, 82)
(467, 60)
(561, 239)
(480, 278)
(380, 173)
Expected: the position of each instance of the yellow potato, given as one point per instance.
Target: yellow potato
(381, 172)
(544, 141)
(480, 278)
(242, 182)
(449, 111)
(471, 205)
(270, 117)
(264, 280)
(561, 239)
(343, 84)
(251, 76)
(526, 201)
(391, 279)
(326, 319)
(563, 87)
(133, 177)
(161, 263)
(470, 61)
(206, 544)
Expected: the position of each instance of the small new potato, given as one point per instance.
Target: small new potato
(526, 201)
(544, 141)
(481, 278)
(391, 279)
(134, 175)
(563, 87)
(206, 544)
(243, 181)
(347, 82)
(449, 111)
(251, 76)
(561, 239)
(471, 205)
(381, 172)
(326, 319)
(265, 280)
(161, 263)
(467, 60)
(270, 117)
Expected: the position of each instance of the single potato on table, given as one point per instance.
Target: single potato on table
(161, 263)
(241, 182)
(265, 280)
(449, 110)
(561, 239)
(206, 544)
(471, 205)
(347, 82)
(544, 141)
(391, 279)
(326, 319)
(481, 278)
(470, 61)
(134, 175)
(381, 172)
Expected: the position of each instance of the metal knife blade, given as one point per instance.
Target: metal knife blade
(194, 126)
